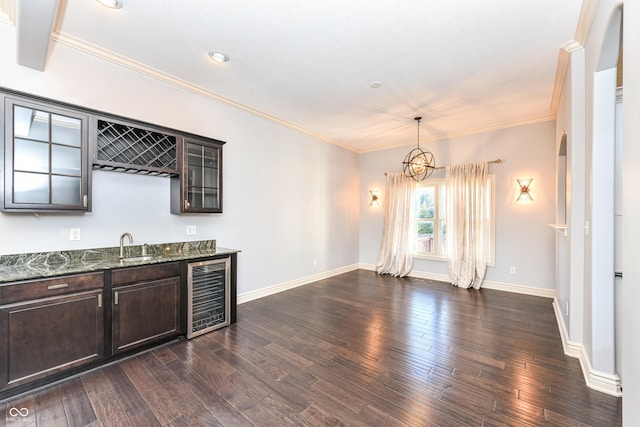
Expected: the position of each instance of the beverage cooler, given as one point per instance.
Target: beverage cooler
(208, 287)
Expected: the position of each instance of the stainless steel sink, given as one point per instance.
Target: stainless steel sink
(138, 258)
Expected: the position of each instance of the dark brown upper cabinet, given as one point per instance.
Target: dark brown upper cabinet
(198, 187)
(134, 147)
(50, 148)
(45, 157)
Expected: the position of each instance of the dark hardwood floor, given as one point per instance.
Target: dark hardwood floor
(357, 350)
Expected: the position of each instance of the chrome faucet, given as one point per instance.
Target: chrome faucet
(122, 243)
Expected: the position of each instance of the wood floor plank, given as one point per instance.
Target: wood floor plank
(49, 408)
(278, 406)
(103, 400)
(223, 410)
(145, 418)
(77, 405)
(354, 349)
(161, 404)
(233, 394)
(171, 374)
(320, 417)
(130, 399)
(341, 397)
(374, 417)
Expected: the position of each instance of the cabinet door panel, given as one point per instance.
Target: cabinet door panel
(31, 156)
(50, 336)
(210, 177)
(30, 123)
(66, 190)
(30, 188)
(66, 130)
(46, 156)
(199, 187)
(145, 312)
(66, 160)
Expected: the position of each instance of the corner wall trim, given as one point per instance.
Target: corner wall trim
(270, 290)
(596, 380)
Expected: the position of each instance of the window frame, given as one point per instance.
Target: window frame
(440, 185)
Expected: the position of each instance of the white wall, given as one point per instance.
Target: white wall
(288, 198)
(523, 238)
(589, 322)
(631, 207)
(570, 258)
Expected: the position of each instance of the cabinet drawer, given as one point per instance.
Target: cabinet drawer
(145, 272)
(36, 289)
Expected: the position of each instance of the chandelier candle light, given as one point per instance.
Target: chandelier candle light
(418, 164)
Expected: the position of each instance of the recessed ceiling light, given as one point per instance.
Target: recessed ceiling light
(218, 56)
(113, 4)
(375, 84)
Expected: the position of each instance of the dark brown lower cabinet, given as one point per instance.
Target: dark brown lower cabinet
(145, 311)
(42, 337)
(55, 327)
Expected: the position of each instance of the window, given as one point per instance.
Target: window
(430, 220)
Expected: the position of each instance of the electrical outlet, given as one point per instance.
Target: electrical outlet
(566, 307)
(315, 262)
(74, 234)
(191, 229)
(512, 270)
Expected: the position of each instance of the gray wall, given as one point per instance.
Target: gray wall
(289, 199)
(523, 238)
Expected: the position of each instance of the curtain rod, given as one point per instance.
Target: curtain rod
(496, 161)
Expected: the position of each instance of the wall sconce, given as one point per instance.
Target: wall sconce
(375, 197)
(524, 195)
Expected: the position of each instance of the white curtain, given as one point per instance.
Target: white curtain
(396, 251)
(467, 224)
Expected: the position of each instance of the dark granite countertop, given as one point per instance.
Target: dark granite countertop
(57, 263)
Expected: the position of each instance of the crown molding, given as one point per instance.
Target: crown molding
(558, 83)
(571, 46)
(123, 61)
(587, 13)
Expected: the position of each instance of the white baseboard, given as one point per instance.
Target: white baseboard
(487, 284)
(264, 292)
(596, 380)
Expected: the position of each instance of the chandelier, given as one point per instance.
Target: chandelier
(418, 164)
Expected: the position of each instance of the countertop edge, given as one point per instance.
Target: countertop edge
(27, 272)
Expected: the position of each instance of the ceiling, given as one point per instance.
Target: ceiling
(465, 66)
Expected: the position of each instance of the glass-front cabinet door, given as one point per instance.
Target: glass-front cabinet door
(45, 151)
(200, 181)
